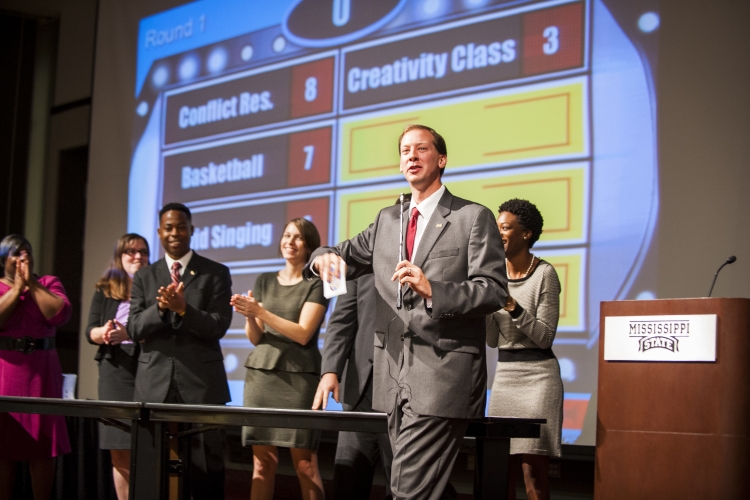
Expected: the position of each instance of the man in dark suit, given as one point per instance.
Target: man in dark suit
(347, 357)
(429, 370)
(179, 309)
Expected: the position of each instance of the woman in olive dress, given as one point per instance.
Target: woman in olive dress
(284, 313)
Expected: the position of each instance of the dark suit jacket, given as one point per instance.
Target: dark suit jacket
(350, 333)
(187, 344)
(461, 253)
(102, 310)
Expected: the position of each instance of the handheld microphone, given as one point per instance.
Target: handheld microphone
(399, 300)
(729, 260)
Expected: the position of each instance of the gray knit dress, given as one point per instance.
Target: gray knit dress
(527, 380)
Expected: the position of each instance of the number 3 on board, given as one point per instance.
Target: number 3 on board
(552, 34)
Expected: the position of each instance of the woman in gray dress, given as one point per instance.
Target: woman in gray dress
(527, 380)
(284, 313)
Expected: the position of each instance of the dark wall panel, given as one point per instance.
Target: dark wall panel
(17, 39)
(69, 232)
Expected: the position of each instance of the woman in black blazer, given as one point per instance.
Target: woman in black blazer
(118, 354)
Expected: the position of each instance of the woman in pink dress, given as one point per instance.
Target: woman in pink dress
(30, 309)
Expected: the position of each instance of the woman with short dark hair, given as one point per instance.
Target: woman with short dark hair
(527, 379)
(31, 307)
(284, 313)
(118, 354)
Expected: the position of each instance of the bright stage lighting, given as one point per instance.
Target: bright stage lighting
(432, 8)
(473, 4)
(567, 369)
(217, 61)
(189, 68)
(247, 53)
(648, 22)
(142, 109)
(230, 363)
(160, 76)
(279, 44)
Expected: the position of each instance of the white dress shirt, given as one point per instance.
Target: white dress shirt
(425, 207)
(183, 260)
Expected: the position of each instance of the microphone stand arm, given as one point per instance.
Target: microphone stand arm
(399, 298)
(716, 276)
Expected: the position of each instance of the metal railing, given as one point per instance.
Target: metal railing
(149, 435)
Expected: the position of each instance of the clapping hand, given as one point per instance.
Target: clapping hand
(116, 333)
(172, 297)
(246, 305)
(23, 273)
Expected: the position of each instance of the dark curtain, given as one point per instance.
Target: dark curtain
(86, 472)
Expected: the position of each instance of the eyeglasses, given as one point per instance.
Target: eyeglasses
(131, 252)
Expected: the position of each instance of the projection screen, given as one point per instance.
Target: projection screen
(252, 113)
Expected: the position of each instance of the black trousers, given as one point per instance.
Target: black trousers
(207, 458)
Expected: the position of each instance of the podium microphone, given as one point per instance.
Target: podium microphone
(728, 261)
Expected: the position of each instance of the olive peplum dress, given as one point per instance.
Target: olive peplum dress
(25, 436)
(280, 372)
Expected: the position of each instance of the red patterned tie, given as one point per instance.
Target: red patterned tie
(176, 266)
(411, 232)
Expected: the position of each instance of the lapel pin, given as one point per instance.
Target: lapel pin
(192, 273)
(438, 225)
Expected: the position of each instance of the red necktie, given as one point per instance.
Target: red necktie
(411, 232)
(176, 266)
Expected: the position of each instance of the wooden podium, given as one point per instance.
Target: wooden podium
(676, 429)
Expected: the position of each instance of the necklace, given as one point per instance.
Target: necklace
(528, 270)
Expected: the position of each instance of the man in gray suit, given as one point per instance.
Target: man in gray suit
(179, 309)
(347, 357)
(429, 370)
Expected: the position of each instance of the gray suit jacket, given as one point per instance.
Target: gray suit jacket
(461, 253)
(189, 343)
(350, 333)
